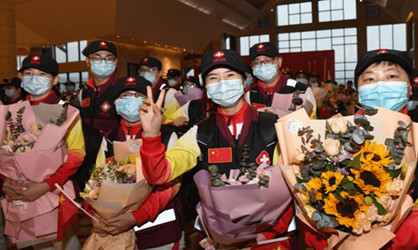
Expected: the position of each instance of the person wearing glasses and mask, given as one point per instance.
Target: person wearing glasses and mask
(151, 69)
(98, 94)
(234, 125)
(265, 63)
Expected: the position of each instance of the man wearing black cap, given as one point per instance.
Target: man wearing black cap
(174, 78)
(97, 96)
(266, 63)
(220, 138)
(131, 92)
(151, 69)
(13, 91)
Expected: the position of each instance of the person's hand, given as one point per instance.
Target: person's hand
(119, 224)
(31, 191)
(98, 227)
(150, 113)
(180, 121)
(10, 187)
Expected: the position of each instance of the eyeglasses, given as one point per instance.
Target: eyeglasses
(97, 58)
(266, 61)
(128, 95)
(143, 70)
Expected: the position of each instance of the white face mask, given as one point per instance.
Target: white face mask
(265, 72)
(385, 94)
(102, 68)
(36, 85)
(302, 80)
(172, 82)
(314, 84)
(148, 76)
(128, 108)
(10, 93)
(225, 93)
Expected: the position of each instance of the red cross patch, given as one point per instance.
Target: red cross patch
(218, 54)
(105, 106)
(103, 44)
(263, 157)
(35, 60)
(382, 51)
(145, 60)
(415, 82)
(130, 81)
(260, 47)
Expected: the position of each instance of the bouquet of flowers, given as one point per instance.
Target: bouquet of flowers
(352, 180)
(26, 144)
(116, 187)
(225, 211)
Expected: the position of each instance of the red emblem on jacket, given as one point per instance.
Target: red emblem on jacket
(105, 106)
(263, 157)
(103, 45)
(382, 51)
(85, 102)
(219, 155)
(130, 81)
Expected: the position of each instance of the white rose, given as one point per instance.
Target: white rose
(338, 125)
(331, 147)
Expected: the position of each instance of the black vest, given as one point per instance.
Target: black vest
(261, 139)
(256, 97)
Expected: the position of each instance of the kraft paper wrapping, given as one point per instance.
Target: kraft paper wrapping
(384, 122)
(23, 218)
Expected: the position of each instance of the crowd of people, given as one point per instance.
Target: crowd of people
(189, 123)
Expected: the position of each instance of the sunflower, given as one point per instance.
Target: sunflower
(331, 180)
(315, 184)
(346, 210)
(371, 179)
(374, 153)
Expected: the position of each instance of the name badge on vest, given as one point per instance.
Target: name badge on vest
(85, 102)
(220, 155)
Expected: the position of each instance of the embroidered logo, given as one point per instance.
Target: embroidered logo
(382, 51)
(35, 60)
(105, 106)
(263, 157)
(130, 81)
(260, 48)
(103, 45)
(219, 57)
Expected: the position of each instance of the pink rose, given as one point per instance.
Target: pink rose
(338, 125)
(331, 147)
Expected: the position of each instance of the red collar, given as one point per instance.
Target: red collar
(269, 90)
(130, 130)
(110, 80)
(236, 118)
(51, 98)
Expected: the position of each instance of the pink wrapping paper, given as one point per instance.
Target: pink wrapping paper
(193, 94)
(384, 122)
(282, 102)
(48, 154)
(234, 214)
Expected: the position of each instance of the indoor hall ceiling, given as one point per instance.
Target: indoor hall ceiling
(185, 24)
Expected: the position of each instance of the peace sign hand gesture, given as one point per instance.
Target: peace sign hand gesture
(150, 114)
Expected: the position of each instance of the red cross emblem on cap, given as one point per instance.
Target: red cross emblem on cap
(260, 46)
(263, 157)
(415, 82)
(145, 60)
(219, 54)
(36, 58)
(103, 44)
(105, 106)
(130, 81)
(382, 51)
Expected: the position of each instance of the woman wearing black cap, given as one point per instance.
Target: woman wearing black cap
(224, 134)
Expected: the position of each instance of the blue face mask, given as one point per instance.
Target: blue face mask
(225, 93)
(36, 85)
(248, 82)
(128, 108)
(148, 76)
(10, 93)
(265, 72)
(388, 95)
(102, 68)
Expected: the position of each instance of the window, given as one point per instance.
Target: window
(342, 41)
(291, 14)
(79, 78)
(69, 52)
(247, 41)
(389, 36)
(19, 60)
(336, 10)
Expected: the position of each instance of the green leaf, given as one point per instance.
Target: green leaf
(349, 186)
(355, 163)
(380, 209)
(338, 196)
(394, 173)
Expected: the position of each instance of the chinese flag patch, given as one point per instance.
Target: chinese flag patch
(85, 102)
(258, 105)
(263, 157)
(219, 155)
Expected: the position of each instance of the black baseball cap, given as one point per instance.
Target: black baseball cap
(379, 55)
(173, 73)
(151, 62)
(263, 49)
(99, 45)
(132, 82)
(192, 79)
(222, 58)
(15, 82)
(45, 63)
